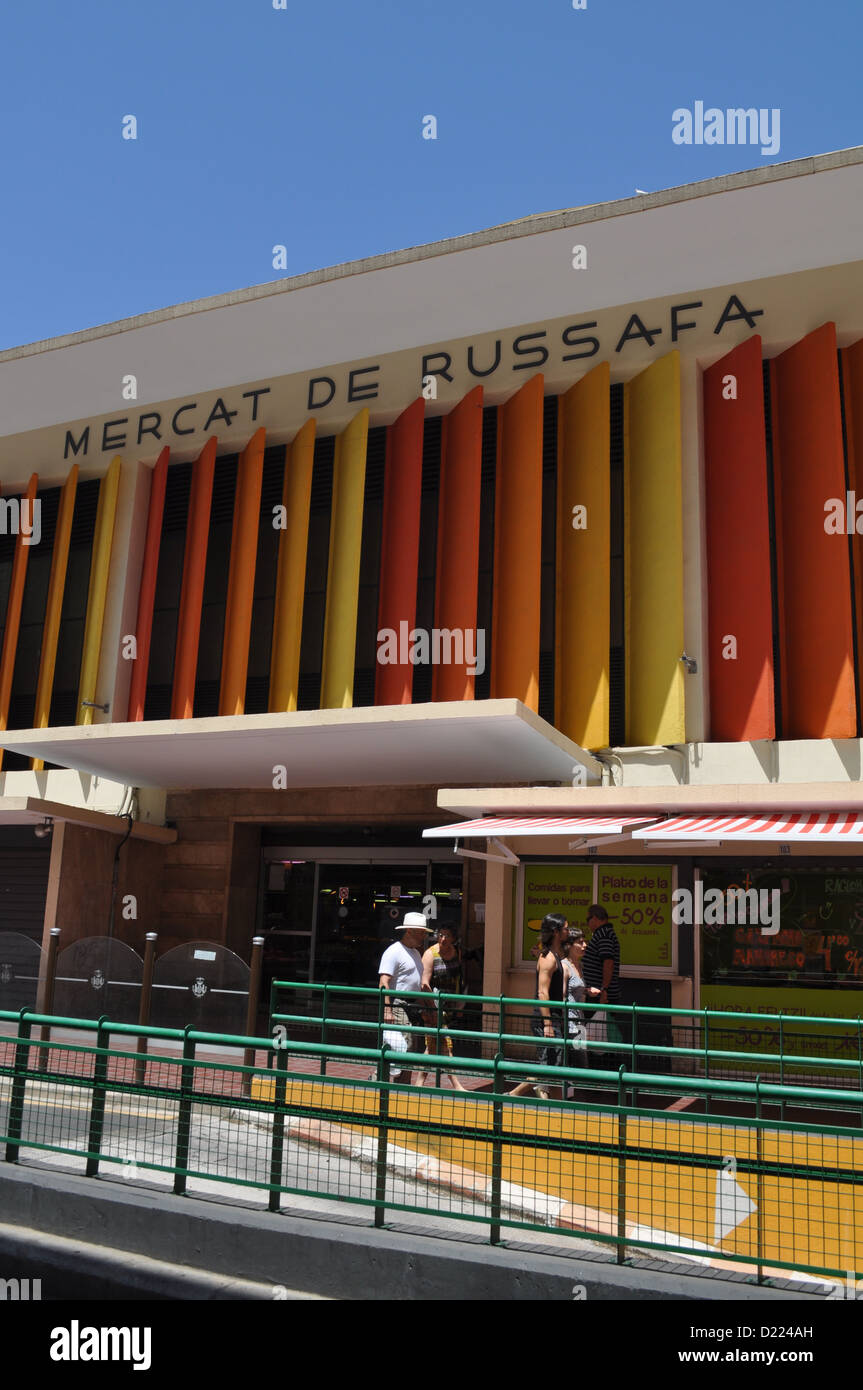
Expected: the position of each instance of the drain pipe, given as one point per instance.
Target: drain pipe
(116, 870)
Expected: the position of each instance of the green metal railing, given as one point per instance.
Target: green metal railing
(691, 1033)
(613, 1177)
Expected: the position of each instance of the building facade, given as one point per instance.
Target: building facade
(503, 574)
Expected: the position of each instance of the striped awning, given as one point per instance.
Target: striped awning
(812, 827)
(506, 826)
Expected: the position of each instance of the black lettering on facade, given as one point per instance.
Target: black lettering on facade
(83, 443)
(261, 391)
(677, 328)
(358, 392)
(314, 381)
(149, 429)
(476, 371)
(577, 342)
(429, 370)
(524, 351)
(636, 329)
(116, 441)
(220, 412)
(750, 315)
(181, 410)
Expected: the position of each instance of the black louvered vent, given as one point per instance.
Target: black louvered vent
(546, 686)
(257, 694)
(375, 459)
(158, 702)
(206, 699)
(549, 437)
(86, 503)
(364, 686)
(616, 418)
(224, 490)
(617, 697)
(432, 432)
(322, 473)
(273, 479)
(309, 690)
(177, 488)
(489, 444)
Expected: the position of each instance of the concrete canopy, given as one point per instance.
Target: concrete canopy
(398, 745)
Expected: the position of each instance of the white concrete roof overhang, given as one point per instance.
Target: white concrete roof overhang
(398, 745)
(33, 810)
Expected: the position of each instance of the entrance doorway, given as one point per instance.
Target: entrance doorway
(327, 916)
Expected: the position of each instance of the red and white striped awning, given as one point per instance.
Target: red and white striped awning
(500, 827)
(812, 827)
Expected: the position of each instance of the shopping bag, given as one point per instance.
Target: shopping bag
(397, 1041)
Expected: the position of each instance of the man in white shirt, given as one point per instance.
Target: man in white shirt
(401, 967)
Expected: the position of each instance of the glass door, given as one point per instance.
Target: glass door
(358, 908)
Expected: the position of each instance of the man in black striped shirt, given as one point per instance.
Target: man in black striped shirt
(600, 966)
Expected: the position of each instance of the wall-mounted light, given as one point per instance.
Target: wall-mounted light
(690, 663)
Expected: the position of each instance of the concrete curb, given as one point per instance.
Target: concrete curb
(115, 1228)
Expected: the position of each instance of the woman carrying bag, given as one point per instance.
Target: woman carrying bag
(575, 993)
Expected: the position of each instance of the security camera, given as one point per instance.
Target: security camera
(44, 830)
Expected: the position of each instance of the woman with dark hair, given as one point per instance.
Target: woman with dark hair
(573, 948)
(547, 1023)
(443, 974)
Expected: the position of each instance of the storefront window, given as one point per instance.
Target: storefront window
(636, 896)
(819, 944)
(810, 968)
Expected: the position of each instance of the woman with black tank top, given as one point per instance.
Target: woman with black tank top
(548, 1023)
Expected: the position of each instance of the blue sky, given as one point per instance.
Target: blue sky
(303, 127)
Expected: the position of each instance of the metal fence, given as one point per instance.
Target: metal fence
(643, 1038)
(766, 1197)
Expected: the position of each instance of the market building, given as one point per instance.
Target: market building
(506, 573)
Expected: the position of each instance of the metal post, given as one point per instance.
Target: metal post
(706, 1057)
(781, 1067)
(15, 1121)
(255, 968)
(381, 1002)
(496, 1154)
(184, 1116)
(146, 996)
(48, 999)
(97, 1104)
(759, 1140)
(324, 1018)
(278, 1148)
(383, 1123)
(860, 1056)
(621, 1170)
